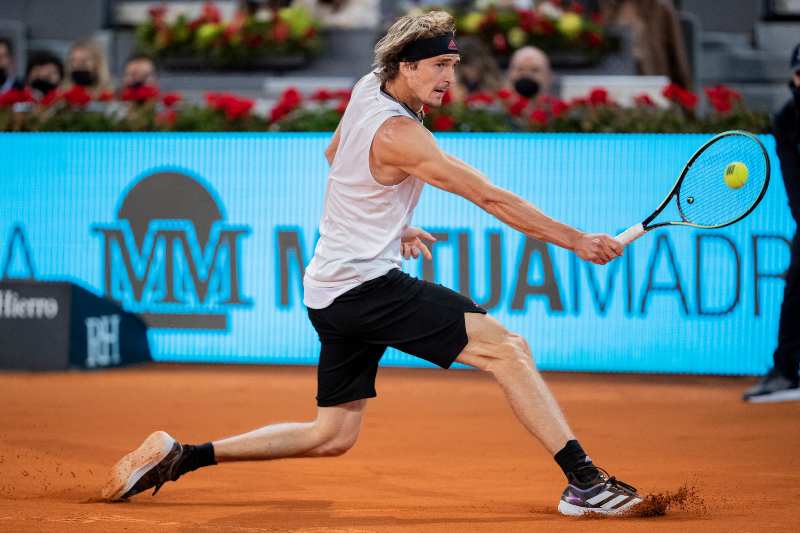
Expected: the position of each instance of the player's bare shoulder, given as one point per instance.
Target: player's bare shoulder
(400, 140)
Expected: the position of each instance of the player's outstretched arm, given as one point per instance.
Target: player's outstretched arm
(404, 144)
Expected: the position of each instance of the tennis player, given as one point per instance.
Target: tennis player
(360, 302)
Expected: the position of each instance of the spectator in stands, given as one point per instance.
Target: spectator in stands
(8, 81)
(529, 73)
(45, 72)
(140, 70)
(658, 45)
(477, 72)
(87, 66)
(782, 382)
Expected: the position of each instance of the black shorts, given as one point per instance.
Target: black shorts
(420, 318)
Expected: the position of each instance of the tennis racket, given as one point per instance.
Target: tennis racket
(721, 184)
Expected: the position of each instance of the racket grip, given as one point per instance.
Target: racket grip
(630, 234)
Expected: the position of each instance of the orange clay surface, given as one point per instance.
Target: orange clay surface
(439, 451)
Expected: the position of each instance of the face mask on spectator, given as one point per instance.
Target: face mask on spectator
(527, 87)
(82, 77)
(3, 76)
(42, 85)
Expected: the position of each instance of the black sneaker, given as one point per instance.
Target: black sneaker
(773, 387)
(152, 464)
(603, 494)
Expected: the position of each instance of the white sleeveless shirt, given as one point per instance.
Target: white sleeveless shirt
(362, 220)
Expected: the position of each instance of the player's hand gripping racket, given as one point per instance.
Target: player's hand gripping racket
(721, 184)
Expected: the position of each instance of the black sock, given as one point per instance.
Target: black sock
(577, 466)
(194, 457)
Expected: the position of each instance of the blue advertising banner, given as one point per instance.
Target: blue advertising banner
(205, 236)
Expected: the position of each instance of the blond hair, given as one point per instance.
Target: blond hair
(101, 70)
(405, 30)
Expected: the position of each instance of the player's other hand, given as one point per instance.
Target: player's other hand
(598, 248)
(411, 243)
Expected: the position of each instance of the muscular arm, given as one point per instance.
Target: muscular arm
(404, 144)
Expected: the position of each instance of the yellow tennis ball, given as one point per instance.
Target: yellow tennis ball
(736, 175)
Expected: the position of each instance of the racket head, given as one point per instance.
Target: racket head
(704, 199)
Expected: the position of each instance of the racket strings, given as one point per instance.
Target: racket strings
(705, 199)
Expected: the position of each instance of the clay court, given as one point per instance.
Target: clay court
(439, 451)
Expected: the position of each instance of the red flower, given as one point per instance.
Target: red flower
(518, 106)
(233, 106)
(253, 41)
(157, 12)
(170, 99)
(139, 95)
(597, 18)
(77, 96)
(322, 95)
(546, 27)
(679, 95)
(539, 117)
(671, 91)
(644, 100)
(105, 96)
(166, 117)
(593, 39)
(480, 98)
(291, 96)
(505, 93)
(281, 32)
(599, 96)
(50, 98)
(342, 93)
(211, 13)
(575, 7)
(528, 20)
(342, 107)
(447, 98)
(278, 112)
(15, 96)
(559, 107)
(579, 101)
(722, 98)
(238, 108)
(444, 123)
(499, 42)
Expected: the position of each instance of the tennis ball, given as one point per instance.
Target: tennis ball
(736, 175)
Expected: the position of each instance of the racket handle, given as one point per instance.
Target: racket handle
(630, 234)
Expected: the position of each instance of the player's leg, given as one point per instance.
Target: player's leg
(332, 433)
(160, 458)
(346, 378)
(507, 356)
(781, 383)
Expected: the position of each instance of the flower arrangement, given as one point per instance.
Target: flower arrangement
(147, 109)
(560, 28)
(259, 39)
(598, 112)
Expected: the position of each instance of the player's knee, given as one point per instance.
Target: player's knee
(513, 356)
(338, 444)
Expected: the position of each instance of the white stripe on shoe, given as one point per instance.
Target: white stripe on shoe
(594, 500)
(611, 504)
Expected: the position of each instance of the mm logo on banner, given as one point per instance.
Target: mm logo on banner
(171, 257)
